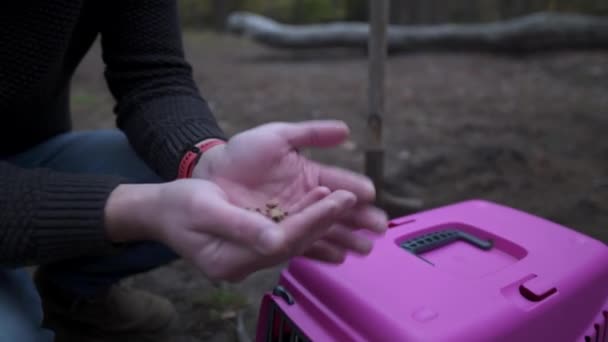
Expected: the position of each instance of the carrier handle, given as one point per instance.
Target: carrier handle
(434, 240)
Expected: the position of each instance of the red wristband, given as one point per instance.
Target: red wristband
(193, 155)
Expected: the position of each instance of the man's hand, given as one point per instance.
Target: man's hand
(196, 219)
(263, 164)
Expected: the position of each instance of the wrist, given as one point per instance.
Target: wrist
(208, 161)
(192, 157)
(128, 212)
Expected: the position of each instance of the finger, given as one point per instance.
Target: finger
(311, 197)
(315, 133)
(348, 239)
(366, 217)
(326, 252)
(230, 263)
(245, 227)
(314, 221)
(337, 178)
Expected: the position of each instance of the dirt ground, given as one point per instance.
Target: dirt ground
(528, 132)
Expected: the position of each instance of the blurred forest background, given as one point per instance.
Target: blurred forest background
(526, 130)
(213, 13)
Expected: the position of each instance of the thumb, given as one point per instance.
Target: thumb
(315, 133)
(246, 227)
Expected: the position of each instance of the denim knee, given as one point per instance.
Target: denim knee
(13, 330)
(20, 309)
(105, 151)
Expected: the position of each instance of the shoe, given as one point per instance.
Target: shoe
(120, 314)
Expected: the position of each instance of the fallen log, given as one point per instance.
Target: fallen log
(535, 32)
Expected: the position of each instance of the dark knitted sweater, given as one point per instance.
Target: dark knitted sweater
(45, 215)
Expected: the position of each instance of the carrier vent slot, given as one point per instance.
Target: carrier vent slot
(281, 328)
(600, 333)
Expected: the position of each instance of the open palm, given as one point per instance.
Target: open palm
(264, 164)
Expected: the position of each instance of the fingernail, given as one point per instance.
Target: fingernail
(381, 228)
(324, 190)
(350, 199)
(365, 246)
(269, 240)
(370, 191)
(381, 222)
(338, 257)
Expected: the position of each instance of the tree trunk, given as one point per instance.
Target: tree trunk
(400, 11)
(220, 10)
(537, 32)
(297, 8)
(356, 10)
(425, 12)
(489, 10)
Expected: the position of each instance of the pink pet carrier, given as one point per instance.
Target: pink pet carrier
(473, 271)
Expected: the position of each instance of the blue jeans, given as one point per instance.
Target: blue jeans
(96, 152)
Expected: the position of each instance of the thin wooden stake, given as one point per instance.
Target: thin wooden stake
(377, 45)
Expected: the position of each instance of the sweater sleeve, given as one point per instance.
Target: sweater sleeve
(158, 103)
(47, 216)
